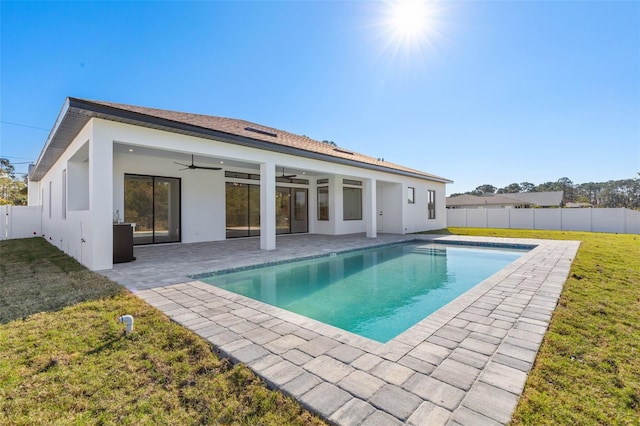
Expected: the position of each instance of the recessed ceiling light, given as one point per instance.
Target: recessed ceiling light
(222, 162)
(130, 150)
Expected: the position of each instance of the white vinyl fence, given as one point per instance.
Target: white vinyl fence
(20, 222)
(619, 221)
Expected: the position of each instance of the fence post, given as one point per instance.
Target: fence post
(5, 223)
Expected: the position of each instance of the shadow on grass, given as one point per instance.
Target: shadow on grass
(37, 277)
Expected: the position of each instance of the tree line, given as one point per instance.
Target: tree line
(611, 194)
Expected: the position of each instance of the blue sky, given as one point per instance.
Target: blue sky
(492, 92)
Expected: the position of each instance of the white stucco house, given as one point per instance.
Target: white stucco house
(184, 178)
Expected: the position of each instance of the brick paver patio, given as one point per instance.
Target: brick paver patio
(466, 364)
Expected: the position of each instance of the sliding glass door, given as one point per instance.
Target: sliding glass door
(291, 210)
(243, 210)
(152, 205)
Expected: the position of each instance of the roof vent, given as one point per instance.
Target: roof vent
(262, 132)
(344, 151)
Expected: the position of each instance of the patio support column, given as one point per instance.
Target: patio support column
(99, 241)
(267, 206)
(370, 213)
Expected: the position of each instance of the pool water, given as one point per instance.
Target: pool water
(377, 293)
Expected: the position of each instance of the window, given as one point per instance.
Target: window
(411, 196)
(351, 203)
(431, 204)
(64, 194)
(352, 182)
(323, 203)
(322, 181)
(49, 199)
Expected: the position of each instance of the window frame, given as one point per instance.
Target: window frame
(358, 215)
(411, 195)
(64, 194)
(322, 215)
(431, 204)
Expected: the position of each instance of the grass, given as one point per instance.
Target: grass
(36, 278)
(66, 360)
(588, 368)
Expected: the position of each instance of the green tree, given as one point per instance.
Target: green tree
(527, 187)
(567, 186)
(513, 188)
(484, 189)
(12, 191)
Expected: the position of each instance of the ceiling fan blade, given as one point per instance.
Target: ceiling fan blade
(287, 176)
(192, 166)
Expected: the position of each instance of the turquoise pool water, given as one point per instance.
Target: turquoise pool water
(376, 293)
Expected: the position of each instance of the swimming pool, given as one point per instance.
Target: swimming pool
(376, 293)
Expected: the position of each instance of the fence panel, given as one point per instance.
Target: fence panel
(457, 217)
(617, 221)
(632, 218)
(521, 218)
(608, 220)
(22, 221)
(576, 219)
(548, 219)
(498, 218)
(477, 218)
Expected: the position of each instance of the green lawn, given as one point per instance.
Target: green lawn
(64, 358)
(588, 369)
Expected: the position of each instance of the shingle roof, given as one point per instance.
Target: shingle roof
(274, 138)
(542, 199)
(539, 199)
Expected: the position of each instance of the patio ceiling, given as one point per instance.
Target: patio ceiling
(225, 163)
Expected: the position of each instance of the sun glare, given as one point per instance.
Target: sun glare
(409, 26)
(409, 18)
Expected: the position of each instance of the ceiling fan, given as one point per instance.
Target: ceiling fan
(287, 176)
(194, 167)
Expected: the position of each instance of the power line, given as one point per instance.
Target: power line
(13, 156)
(23, 125)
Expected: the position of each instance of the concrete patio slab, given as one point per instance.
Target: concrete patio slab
(465, 364)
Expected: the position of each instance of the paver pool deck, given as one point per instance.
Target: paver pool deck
(466, 364)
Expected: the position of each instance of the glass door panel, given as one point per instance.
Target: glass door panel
(254, 210)
(237, 206)
(166, 210)
(242, 207)
(138, 207)
(283, 210)
(300, 222)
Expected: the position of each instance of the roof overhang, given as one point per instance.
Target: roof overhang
(76, 113)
